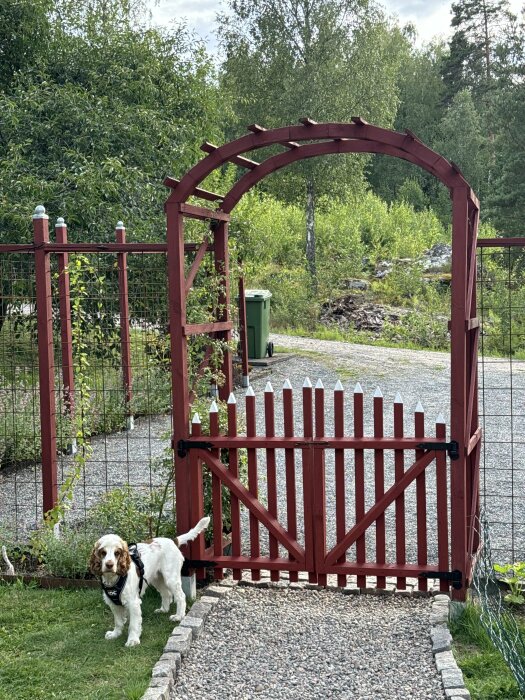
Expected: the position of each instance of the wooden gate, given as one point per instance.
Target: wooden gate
(398, 462)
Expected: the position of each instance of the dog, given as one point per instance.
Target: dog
(126, 572)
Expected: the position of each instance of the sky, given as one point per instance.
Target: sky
(431, 17)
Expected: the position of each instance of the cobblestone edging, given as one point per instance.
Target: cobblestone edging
(165, 671)
(451, 674)
(180, 640)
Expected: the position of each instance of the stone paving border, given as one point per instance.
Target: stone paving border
(165, 671)
(451, 674)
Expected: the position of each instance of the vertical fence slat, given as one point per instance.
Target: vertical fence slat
(243, 334)
(234, 501)
(307, 458)
(399, 466)
(359, 480)
(442, 502)
(216, 493)
(340, 515)
(46, 360)
(319, 487)
(125, 339)
(197, 497)
(289, 459)
(252, 479)
(269, 424)
(379, 478)
(421, 499)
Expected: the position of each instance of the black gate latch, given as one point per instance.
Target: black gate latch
(451, 447)
(184, 445)
(455, 577)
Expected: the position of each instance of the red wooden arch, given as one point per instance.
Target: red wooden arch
(329, 138)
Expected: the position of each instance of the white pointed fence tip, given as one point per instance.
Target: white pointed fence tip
(40, 212)
(214, 408)
(419, 408)
(399, 398)
(358, 389)
(287, 384)
(60, 222)
(250, 391)
(196, 419)
(338, 386)
(378, 394)
(268, 389)
(231, 398)
(307, 384)
(319, 384)
(440, 419)
(120, 224)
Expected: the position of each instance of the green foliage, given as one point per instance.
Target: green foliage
(125, 511)
(68, 554)
(514, 576)
(485, 672)
(52, 646)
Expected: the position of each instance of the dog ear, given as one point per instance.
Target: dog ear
(95, 562)
(123, 560)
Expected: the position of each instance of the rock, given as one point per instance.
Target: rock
(357, 311)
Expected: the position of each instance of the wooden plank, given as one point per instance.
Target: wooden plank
(244, 162)
(289, 459)
(271, 472)
(253, 480)
(340, 481)
(233, 467)
(216, 495)
(510, 242)
(307, 457)
(212, 327)
(329, 443)
(359, 481)
(254, 506)
(474, 440)
(319, 487)
(202, 213)
(197, 498)
(379, 485)
(201, 252)
(380, 507)
(421, 500)
(399, 466)
(442, 506)
(197, 192)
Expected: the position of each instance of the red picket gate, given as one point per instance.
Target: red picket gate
(413, 458)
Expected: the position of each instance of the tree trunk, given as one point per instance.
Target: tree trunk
(310, 231)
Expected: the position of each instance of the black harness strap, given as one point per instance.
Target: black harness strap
(114, 592)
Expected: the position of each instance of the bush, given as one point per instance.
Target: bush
(66, 555)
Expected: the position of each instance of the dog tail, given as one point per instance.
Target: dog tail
(194, 532)
(10, 567)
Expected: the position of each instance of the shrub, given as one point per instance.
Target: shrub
(66, 555)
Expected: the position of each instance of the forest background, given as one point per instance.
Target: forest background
(97, 105)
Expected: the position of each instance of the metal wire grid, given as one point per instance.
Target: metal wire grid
(119, 456)
(501, 300)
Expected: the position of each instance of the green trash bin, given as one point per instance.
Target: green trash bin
(258, 323)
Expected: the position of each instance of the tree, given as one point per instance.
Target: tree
(327, 60)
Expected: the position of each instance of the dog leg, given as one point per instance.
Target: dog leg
(135, 624)
(166, 596)
(120, 617)
(180, 600)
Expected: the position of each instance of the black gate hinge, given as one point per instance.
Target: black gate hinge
(184, 445)
(455, 577)
(451, 447)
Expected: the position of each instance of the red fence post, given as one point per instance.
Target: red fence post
(339, 458)
(125, 340)
(222, 268)
(243, 334)
(66, 336)
(46, 360)
(379, 481)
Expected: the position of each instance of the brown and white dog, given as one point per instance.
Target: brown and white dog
(122, 582)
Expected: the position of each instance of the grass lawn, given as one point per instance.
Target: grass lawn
(52, 646)
(486, 674)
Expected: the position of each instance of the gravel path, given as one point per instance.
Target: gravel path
(312, 645)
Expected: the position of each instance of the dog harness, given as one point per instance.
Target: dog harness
(114, 592)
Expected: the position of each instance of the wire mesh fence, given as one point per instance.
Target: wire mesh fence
(112, 411)
(496, 617)
(501, 303)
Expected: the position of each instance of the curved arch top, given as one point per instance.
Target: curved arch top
(354, 137)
